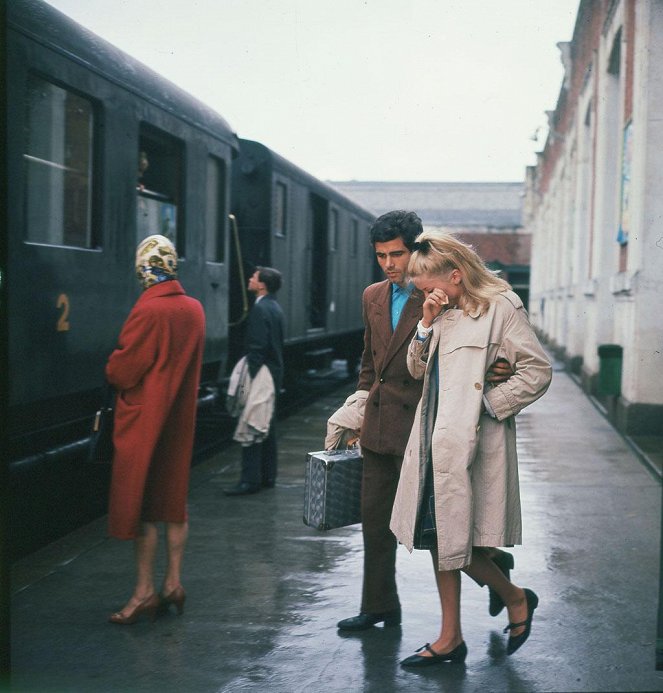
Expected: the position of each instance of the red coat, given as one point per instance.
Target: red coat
(156, 371)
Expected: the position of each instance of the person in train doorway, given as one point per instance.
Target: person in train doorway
(391, 310)
(156, 371)
(264, 347)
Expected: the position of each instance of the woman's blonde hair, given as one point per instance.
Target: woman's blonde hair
(436, 252)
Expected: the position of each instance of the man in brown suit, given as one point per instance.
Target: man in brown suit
(391, 309)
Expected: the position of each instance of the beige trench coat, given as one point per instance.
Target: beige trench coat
(475, 467)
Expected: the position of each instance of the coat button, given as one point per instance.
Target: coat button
(406, 406)
(375, 404)
(478, 386)
(381, 380)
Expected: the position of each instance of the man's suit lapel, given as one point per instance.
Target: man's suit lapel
(381, 308)
(409, 318)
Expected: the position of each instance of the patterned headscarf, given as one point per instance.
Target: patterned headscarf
(156, 261)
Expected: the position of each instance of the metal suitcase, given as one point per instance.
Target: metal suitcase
(332, 496)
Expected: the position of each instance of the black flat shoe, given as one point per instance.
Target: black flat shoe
(456, 656)
(519, 640)
(504, 561)
(365, 621)
(242, 489)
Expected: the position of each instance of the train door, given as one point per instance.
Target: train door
(159, 186)
(216, 274)
(319, 232)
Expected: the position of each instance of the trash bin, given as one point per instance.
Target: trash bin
(610, 369)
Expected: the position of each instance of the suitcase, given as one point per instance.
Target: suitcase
(332, 495)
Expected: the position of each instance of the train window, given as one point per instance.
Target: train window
(159, 186)
(58, 161)
(333, 230)
(354, 238)
(215, 219)
(280, 208)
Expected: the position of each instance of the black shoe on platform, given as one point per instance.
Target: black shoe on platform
(515, 642)
(504, 561)
(456, 656)
(365, 621)
(242, 489)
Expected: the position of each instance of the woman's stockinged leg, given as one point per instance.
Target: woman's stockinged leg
(448, 587)
(144, 598)
(176, 536)
(145, 548)
(483, 571)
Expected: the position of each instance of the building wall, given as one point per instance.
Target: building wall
(496, 205)
(595, 210)
(486, 215)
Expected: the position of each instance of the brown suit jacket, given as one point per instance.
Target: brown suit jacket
(393, 392)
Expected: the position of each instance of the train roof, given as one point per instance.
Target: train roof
(279, 163)
(53, 29)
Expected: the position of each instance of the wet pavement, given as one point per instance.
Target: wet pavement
(265, 591)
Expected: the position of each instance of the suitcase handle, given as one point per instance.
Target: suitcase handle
(341, 451)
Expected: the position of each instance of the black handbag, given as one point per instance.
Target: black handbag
(100, 448)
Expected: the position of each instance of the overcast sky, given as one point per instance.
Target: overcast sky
(411, 90)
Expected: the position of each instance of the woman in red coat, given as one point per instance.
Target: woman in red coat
(155, 370)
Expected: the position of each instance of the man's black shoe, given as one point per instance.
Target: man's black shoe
(365, 621)
(242, 489)
(268, 484)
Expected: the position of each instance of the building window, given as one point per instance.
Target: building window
(354, 238)
(614, 61)
(280, 208)
(625, 211)
(58, 161)
(333, 230)
(215, 218)
(159, 187)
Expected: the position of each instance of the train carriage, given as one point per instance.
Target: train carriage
(318, 238)
(103, 152)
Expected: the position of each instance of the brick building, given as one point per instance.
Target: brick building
(485, 215)
(594, 208)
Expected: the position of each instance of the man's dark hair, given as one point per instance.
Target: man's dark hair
(399, 223)
(271, 278)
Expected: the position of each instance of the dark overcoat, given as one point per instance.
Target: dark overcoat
(264, 339)
(393, 392)
(156, 371)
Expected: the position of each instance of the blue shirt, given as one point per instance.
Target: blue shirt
(399, 297)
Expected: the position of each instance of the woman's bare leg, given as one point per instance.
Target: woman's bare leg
(448, 587)
(485, 572)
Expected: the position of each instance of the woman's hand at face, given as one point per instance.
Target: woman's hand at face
(434, 304)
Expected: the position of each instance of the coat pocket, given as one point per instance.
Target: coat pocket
(470, 342)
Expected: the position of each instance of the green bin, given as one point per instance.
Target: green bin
(610, 369)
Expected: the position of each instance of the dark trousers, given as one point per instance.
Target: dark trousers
(379, 483)
(259, 461)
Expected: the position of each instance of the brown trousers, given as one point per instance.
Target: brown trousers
(379, 483)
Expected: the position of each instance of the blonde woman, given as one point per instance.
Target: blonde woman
(458, 491)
